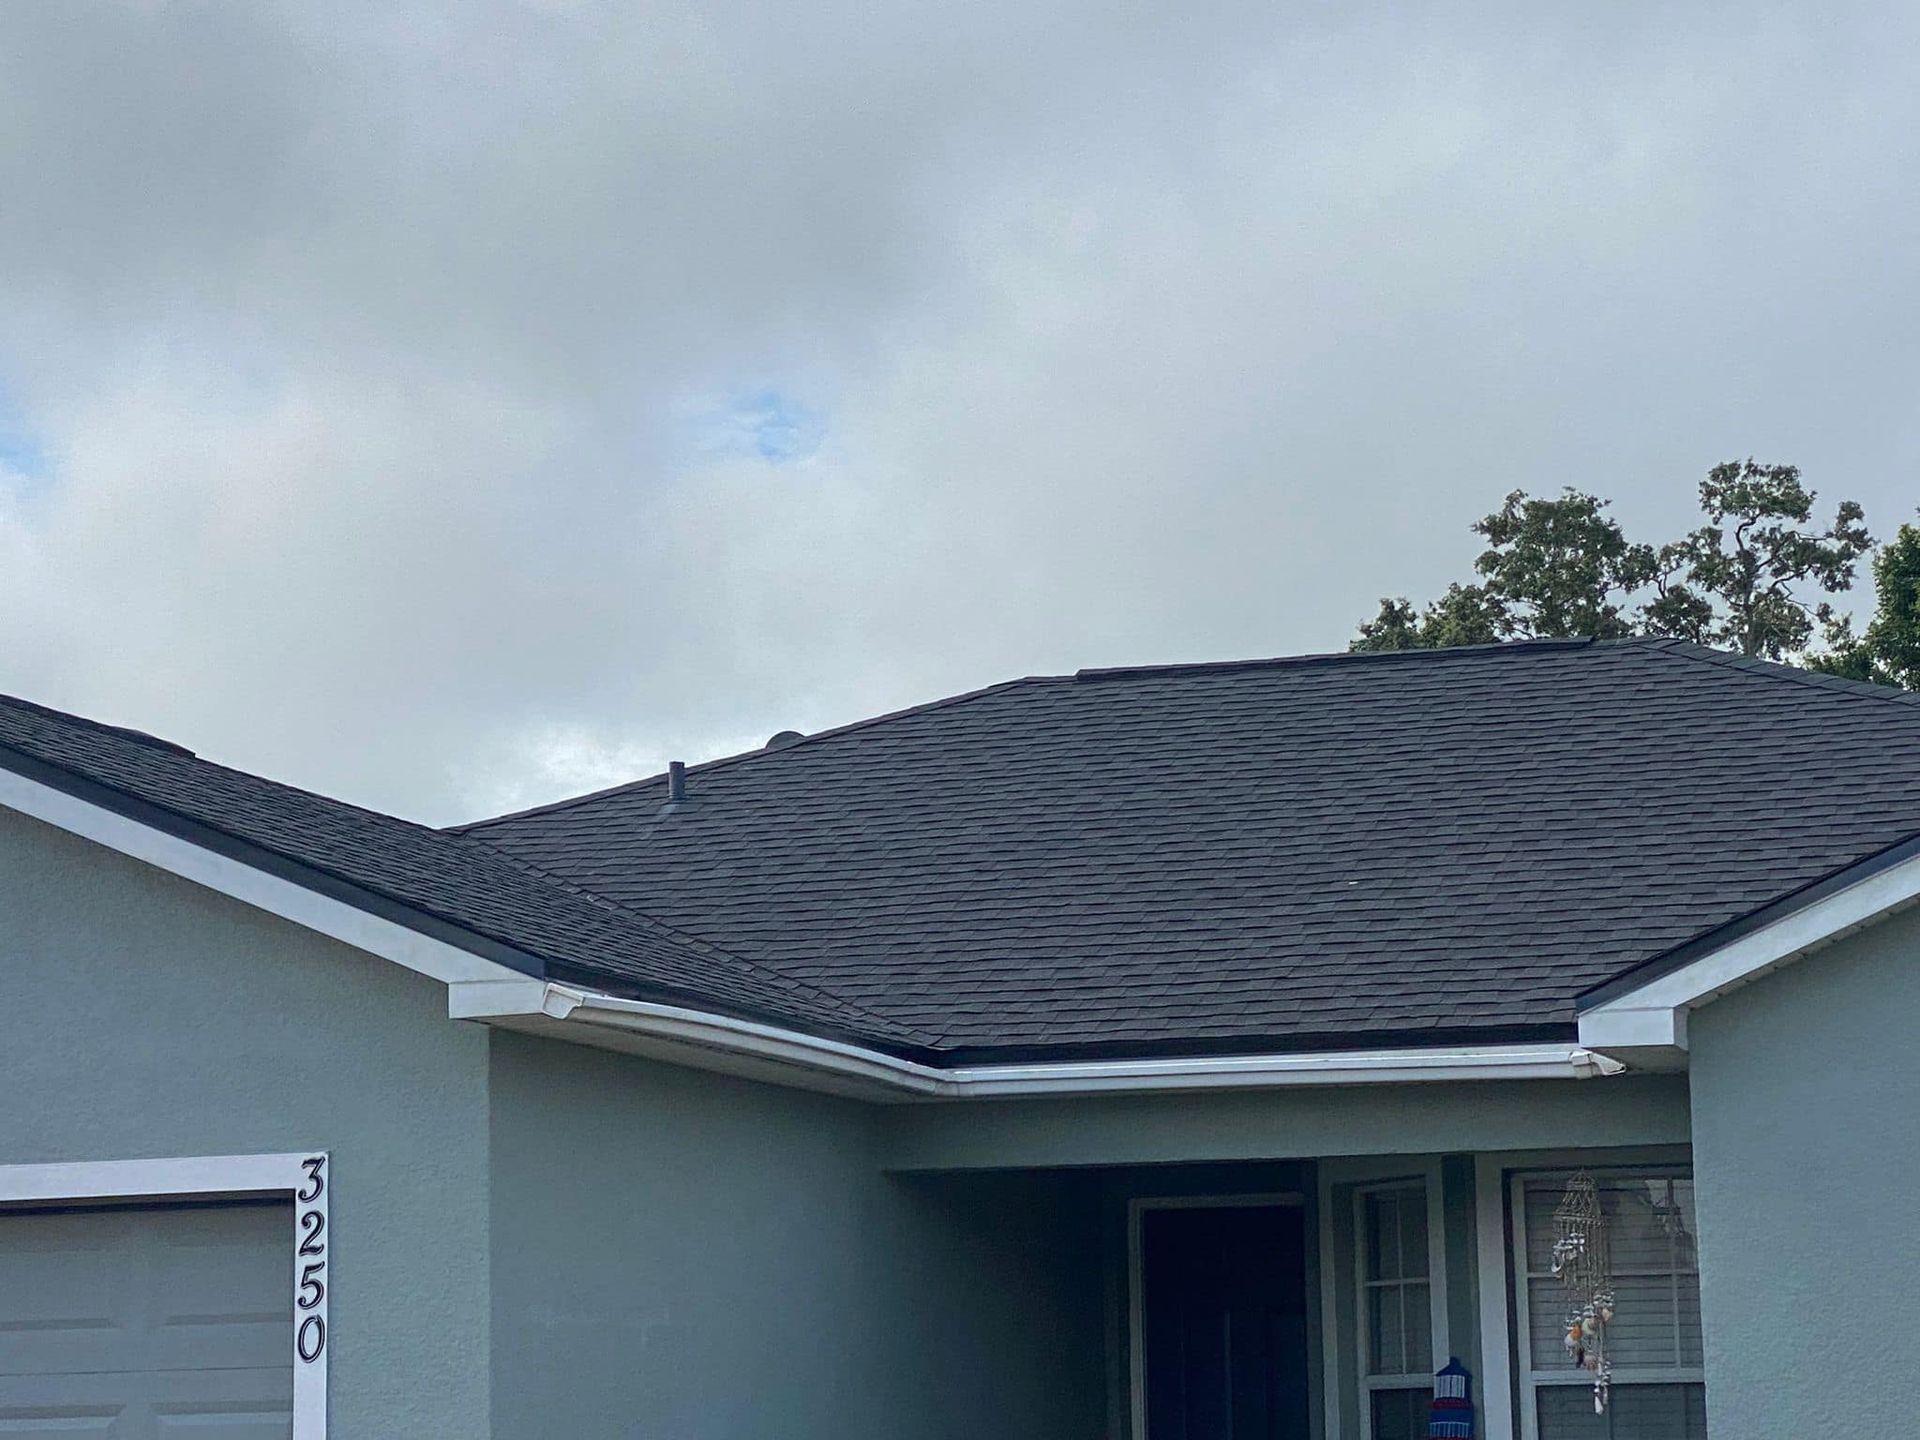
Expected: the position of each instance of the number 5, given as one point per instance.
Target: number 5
(312, 1290)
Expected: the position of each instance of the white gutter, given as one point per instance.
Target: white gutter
(485, 990)
(770, 1052)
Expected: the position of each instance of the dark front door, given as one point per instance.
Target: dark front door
(1224, 1310)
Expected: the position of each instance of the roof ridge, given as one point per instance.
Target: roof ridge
(182, 752)
(105, 727)
(1778, 670)
(469, 826)
(706, 947)
(1329, 657)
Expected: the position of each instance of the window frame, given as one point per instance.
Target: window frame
(1527, 1381)
(305, 1178)
(1427, 1183)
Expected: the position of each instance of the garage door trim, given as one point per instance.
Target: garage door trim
(304, 1177)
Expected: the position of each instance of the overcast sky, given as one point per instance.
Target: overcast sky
(455, 406)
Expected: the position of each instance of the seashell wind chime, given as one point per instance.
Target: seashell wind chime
(1583, 1263)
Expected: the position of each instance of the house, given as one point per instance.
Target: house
(1203, 1052)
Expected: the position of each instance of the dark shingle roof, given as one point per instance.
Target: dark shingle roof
(1329, 850)
(432, 878)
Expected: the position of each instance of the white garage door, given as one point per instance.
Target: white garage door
(147, 1323)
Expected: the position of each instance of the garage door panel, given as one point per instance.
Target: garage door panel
(149, 1289)
(189, 1405)
(166, 1323)
(63, 1291)
(85, 1423)
(220, 1287)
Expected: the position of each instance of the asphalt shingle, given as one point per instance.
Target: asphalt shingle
(1333, 849)
(462, 882)
(1323, 851)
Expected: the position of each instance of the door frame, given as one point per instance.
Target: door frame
(304, 1178)
(1136, 1275)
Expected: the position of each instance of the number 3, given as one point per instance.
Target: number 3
(316, 1185)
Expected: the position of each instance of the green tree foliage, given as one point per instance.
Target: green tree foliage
(1889, 651)
(1737, 581)
(1552, 570)
(1757, 577)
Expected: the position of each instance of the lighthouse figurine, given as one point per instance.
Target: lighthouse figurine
(1452, 1414)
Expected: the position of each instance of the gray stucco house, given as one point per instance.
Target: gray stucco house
(1192, 1053)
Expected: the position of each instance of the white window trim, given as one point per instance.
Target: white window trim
(1136, 1274)
(1527, 1379)
(1428, 1182)
(305, 1178)
(1495, 1381)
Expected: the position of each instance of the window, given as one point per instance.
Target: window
(1395, 1290)
(1654, 1340)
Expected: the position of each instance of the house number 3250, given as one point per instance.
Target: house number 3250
(310, 1260)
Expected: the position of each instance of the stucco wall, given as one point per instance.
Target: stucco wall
(143, 1016)
(1302, 1122)
(692, 1257)
(1806, 1103)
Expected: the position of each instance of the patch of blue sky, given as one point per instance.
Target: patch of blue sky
(762, 423)
(23, 452)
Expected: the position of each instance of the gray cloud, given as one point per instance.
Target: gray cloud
(375, 350)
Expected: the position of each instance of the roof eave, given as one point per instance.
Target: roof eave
(1641, 1017)
(792, 1057)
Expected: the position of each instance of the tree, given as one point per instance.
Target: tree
(1465, 615)
(1560, 569)
(1889, 652)
(1736, 581)
(1552, 570)
(1757, 577)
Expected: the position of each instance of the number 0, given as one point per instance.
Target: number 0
(312, 1338)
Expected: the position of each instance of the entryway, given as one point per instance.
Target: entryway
(1220, 1319)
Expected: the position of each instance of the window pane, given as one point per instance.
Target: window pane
(1400, 1414)
(1656, 1283)
(1383, 1235)
(1547, 1324)
(1419, 1332)
(1396, 1234)
(1646, 1321)
(1413, 1235)
(1386, 1351)
(1635, 1412)
(1651, 1222)
(1692, 1342)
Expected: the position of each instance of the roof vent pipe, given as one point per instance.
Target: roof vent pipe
(676, 788)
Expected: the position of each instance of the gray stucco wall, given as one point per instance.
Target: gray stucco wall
(683, 1255)
(1297, 1123)
(1806, 1103)
(144, 1016)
